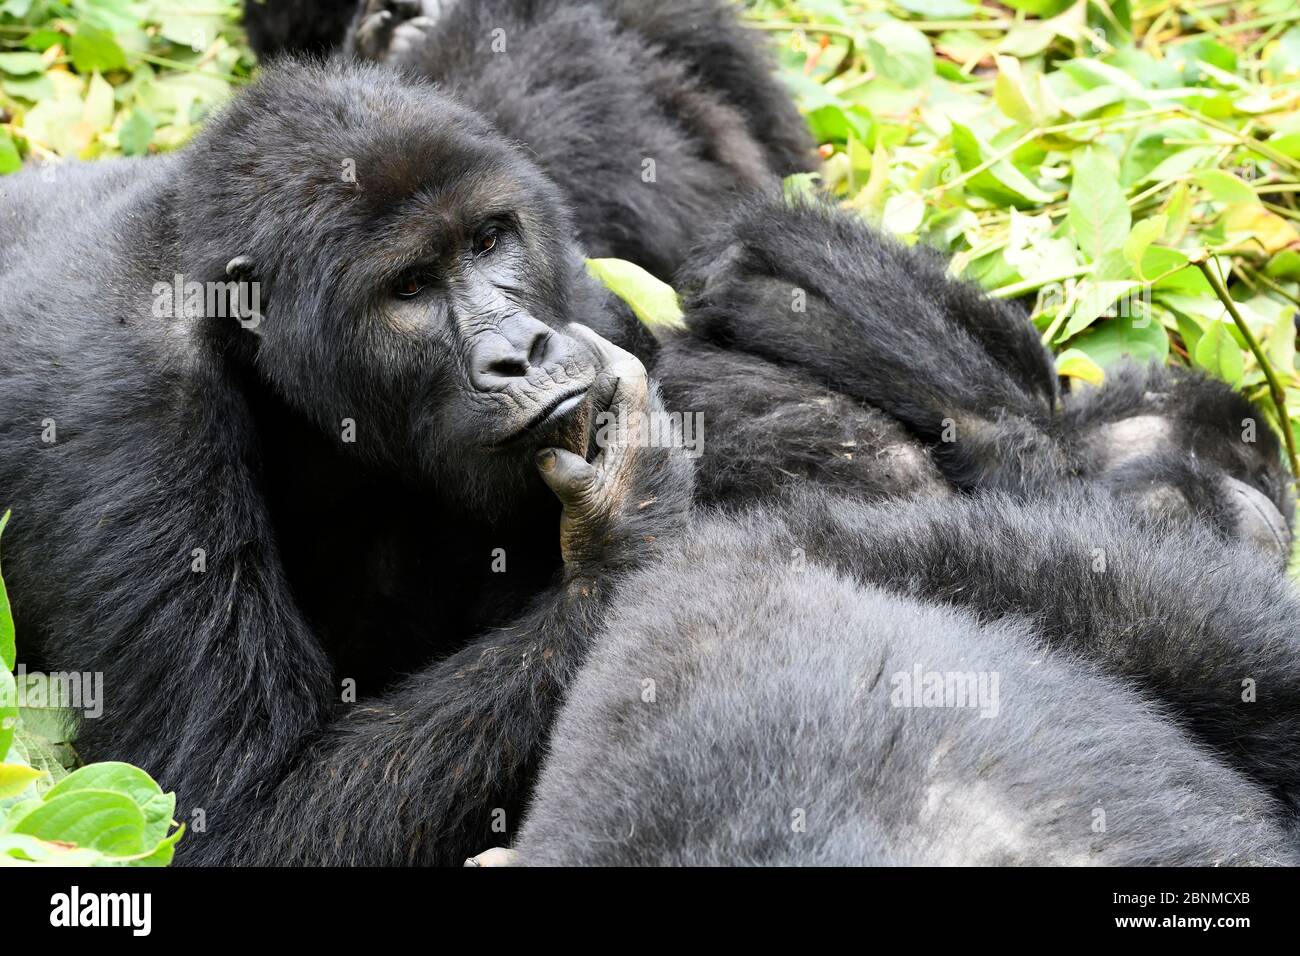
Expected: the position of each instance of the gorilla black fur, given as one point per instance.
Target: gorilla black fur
(193, 521)
(1091, 710)
(652, 117)
(888, 378)
(277, 27)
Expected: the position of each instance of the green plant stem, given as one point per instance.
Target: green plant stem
(1264, 280)
(1276, 391)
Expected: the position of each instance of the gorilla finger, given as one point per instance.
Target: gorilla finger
(374, 34)
(406, 9)
(570, 476)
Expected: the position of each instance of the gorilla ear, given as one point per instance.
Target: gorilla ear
(248, 310)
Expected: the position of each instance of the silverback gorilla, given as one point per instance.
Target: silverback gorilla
(239, 519)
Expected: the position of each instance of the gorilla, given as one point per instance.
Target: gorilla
(286, 455)
(872, 373)
(960, 681)
(653, 117)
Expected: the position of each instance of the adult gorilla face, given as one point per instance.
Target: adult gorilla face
(416, 273)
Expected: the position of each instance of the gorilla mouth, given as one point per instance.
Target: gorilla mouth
(553, 414)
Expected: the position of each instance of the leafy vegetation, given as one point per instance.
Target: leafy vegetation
(91, 78)
(104, 814)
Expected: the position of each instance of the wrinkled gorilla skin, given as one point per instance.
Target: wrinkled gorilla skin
(198, 528)
(652, 117)
(1118, 700)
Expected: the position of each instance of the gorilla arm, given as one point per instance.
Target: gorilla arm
(807, 288)
(425, 775)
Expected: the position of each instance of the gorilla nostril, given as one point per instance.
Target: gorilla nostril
(510, 366)
(540, 346)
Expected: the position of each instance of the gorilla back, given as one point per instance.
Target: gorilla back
(934, 682)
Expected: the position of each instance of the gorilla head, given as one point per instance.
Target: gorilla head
(417, 272)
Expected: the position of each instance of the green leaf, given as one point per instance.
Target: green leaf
(94, 50)
(8, 653)
(654, 302)
(15, 778)
(22, 64)
(901, 53)
(8, 711)
(1285, 265)
(132, 782)
(1219, 354)
(10, 159)
(1099, 214)
(1075, 363)
(1225, 187)
(1140, 239)
(1136, 340)
(1002, 183)
(95, 819)
(903, 214)
(1041, 8)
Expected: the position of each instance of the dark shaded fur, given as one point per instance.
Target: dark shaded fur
(773, 737)
(595, 88)
(278, 27)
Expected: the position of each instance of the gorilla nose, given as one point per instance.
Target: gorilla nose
(508, 351)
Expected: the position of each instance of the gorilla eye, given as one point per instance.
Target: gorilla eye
(409, 286)
(485, 242)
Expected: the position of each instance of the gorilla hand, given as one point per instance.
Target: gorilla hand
(386, 31)
(618, 505)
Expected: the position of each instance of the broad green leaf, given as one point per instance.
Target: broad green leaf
(1094, 299)
(22, 64)
(96, 819)
(903, 214)
(901, 53)
(1002, 183)
(1225, 187)
(1075, 363)
(1140, 239)
(94, 50)
(20, 847)
(1220, 355)
(156, 806)
(10, 160)
(98, 115)
(1138, 340)
(654, 302)
(1099, 213)
(1023, 97)
(15, 778)
(1280, 346)
(1285, 265)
